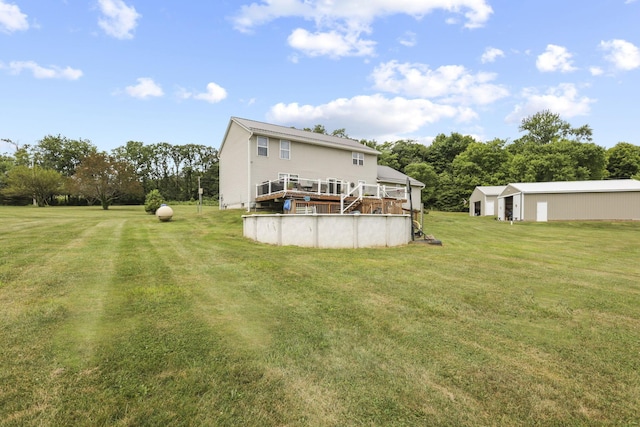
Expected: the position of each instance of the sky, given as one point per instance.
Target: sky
(112, 71)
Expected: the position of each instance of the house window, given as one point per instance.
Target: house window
(285, 149)
(263, 146)
(358, 158)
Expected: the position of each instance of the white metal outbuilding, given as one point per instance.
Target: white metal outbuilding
(571, 200)
(484, 200)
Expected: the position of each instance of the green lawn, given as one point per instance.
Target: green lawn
(114, 318)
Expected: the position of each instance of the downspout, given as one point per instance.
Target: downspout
(249, 173)
(413, 231)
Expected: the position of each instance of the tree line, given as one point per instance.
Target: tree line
(60, 170)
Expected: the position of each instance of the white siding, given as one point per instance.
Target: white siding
(233, 168)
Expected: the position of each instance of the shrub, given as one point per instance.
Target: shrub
(153, 201)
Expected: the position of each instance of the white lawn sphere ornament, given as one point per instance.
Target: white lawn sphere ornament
(164, 213)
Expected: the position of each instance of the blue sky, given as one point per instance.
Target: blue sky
(166, 71)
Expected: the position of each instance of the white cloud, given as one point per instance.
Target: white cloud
(453, 84)
(145, 88)
(476, 12)
(562, 99)
(119, 20)
(622, 54)
(339, 24)
(491, 54)
(11, 18)
(408, 39)
(374, 116)
(596, 71)
(330, 43)
(39, 72)
(555, 58)
(214, 94)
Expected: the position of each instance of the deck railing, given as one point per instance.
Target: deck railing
(330, 187)
(302, 185)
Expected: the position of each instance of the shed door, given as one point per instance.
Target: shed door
(489, 208)
(501, 215)
(541, 212)
(517, 209)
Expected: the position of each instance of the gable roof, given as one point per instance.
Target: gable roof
(299, 135)
(392, 176)
(601, 186)
(491, 190)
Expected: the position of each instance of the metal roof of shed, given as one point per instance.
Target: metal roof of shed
(491, 190)
(601, 186)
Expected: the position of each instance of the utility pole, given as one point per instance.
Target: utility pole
(33, 172)
(199, 197)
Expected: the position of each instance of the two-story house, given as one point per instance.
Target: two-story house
(266, 165)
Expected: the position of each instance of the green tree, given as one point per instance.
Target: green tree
(37, 182)
(424, 173)
(162, 166)
(387, 156)
(173, 169)
(139, 156)
(6, 164)
(407, 152)
(449, 196)
(399, 154)
(103, 178)
(444, 149)
(23, 156)
(560, 160)
(623, 160)
(153, 201)
(482, 164)
(370, 143)
(545, 126)
(342, 133)
(317, 129)
(62, 154)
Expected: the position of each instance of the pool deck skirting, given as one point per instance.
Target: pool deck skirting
(329, 230)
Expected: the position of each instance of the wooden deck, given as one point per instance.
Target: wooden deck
(309, 202)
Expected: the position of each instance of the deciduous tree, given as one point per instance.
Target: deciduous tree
(444, 149)
(424, 173)
(623, 160)
(545, 126)
(103, 178)
(40, 183)
(61, 153)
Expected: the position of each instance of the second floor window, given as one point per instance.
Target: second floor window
(285, 149)
(263, 146)
(358, 159)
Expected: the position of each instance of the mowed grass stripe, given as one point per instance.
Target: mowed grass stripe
(153, 348)
(58, 293)
(504, 325)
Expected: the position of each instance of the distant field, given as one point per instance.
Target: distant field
(113, 318)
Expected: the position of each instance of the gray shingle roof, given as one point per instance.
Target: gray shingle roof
(390, 175)
(304, 136)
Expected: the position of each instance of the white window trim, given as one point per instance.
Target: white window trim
(357, 159)
(260, 146)
(288, 151)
